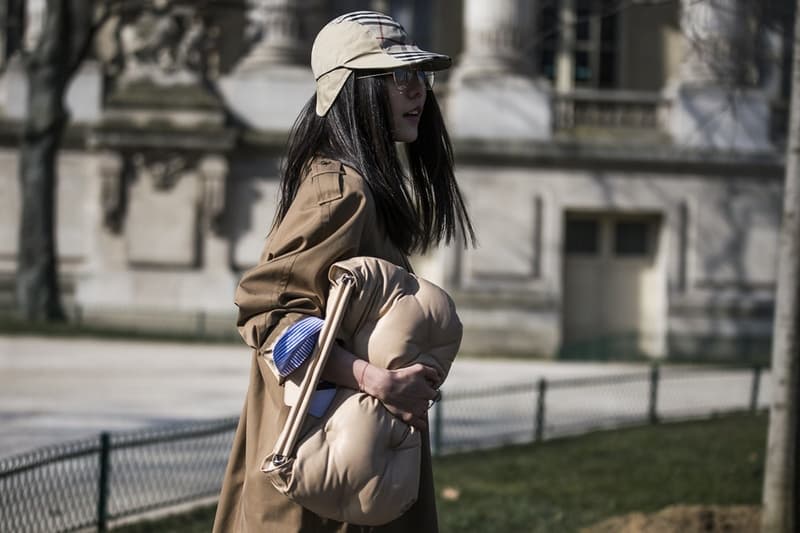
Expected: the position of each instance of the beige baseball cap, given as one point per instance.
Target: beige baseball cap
(364, 40)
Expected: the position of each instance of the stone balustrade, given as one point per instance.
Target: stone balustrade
(609, 109)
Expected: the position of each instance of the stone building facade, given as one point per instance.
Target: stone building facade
(626, 190)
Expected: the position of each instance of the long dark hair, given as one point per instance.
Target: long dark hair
(417, 211)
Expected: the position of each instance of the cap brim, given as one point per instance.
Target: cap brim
(389, 59)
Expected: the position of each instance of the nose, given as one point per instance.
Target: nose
(415, 87)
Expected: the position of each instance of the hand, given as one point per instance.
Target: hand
(405, 392)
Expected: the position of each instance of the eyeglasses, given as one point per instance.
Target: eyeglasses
(404, 76)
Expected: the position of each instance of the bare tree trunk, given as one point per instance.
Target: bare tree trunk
(780, 498)
(49, 67)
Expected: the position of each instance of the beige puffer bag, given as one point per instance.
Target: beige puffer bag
(359, 463)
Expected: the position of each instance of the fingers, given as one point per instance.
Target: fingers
(419, 421)
(432, 380)
(416, 421)
(411, 392)
(412, 383)
(431, 374)
(416, 407)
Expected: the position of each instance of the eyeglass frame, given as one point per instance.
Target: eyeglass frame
(427, 78)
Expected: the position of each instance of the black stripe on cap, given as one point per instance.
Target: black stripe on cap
(370, 18)
(415, 55)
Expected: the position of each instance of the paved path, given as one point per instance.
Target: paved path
(52, 390)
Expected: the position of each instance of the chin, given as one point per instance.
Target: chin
(407, 138)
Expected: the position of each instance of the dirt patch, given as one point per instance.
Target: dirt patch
(685, 519)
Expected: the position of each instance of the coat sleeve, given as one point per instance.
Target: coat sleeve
(325, 224)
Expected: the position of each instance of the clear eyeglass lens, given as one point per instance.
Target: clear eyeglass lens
(403, 77)
(429, 78)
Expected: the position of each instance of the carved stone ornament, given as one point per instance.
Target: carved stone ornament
(169, 45)
(112, 191)
(279, 31)
(213, 172)
(164, 169)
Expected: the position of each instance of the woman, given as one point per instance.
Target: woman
(343, 194)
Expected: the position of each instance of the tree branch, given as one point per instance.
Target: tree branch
(83, 44)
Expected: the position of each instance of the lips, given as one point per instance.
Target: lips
(414, 113)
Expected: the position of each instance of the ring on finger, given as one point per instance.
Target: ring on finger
(435, 399)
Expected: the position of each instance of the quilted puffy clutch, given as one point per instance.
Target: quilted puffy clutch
(358, 463)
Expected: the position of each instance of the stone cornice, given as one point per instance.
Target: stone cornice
(122, 136)
(629, 157)
(269, 142)
(471, 152)
(75, 135)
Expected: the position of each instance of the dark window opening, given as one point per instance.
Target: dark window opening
(630, 238)
(548, 33)
(582, 237)
(583, 67)
(594, 51)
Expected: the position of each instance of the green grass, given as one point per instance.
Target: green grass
(197, 521)
(561, 485)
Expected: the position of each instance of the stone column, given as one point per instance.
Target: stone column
(498, 37)
(213, 173)
(565, 59)
(278, 25)
(216, 282)
(270, 85)
(493, 91)
(717, 101)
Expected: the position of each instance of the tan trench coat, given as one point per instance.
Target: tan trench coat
(332, 218)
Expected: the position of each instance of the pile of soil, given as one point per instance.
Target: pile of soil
(685, 519)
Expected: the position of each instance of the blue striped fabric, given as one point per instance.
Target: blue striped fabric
(296, 345)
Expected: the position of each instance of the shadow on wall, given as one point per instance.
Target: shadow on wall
(252, 196)
(725, 311)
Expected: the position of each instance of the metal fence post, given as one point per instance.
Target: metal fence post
(538, 432)
(438, 419)
(754, 389)
(102, 482)
(653, 407)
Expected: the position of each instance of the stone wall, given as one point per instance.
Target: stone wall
(716, 256)
(167, 189)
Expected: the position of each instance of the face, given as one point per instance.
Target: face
(406, 108)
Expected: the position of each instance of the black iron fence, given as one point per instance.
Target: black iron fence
(91, 482)
(94, 482)
(547, 409)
